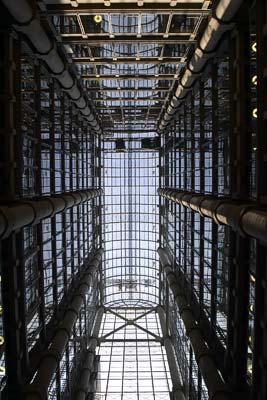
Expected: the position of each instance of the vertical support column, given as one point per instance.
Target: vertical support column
(237, 340)
(192, 217)
(214, 229)
(101, 218)
(160, 214)
(94, 180)
(12, 265)
(99, 183)
(52, 134)
(240, 106)
(39, 227)
(202, 187)
(9, 114)
(14, 316)
(261, 166)
(259, 373)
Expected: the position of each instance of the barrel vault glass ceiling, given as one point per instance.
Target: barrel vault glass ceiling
(129, 55)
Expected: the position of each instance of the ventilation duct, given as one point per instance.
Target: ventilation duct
(219, 23)
(46, 48)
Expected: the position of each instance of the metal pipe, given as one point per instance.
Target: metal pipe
(50, 361)
(212, 377)
(246, 219)
(97, 323)
(87, 369)
(93, 378)
(30, 212)
(30, 25)
(177, 383)
(219, 23)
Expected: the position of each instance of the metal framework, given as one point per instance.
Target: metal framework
(132, 45)
(133, 200)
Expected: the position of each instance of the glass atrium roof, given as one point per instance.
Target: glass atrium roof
(133, 363)
(129, 55)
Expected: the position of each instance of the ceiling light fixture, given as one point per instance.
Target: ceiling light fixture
(98, 19)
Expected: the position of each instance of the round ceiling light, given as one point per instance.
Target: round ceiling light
(98, 19)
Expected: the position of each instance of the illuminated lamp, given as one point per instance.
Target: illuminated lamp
(254, 47)
(98, 19)
(254, 80)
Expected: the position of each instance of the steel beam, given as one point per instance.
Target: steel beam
(127, 89)
(127, 60)
(124, 99)
(99, 40)
(182, 8)
(136, 77)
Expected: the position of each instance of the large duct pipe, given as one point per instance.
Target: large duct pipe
(177, 384)
(87, 378)
(37, 390)
(88, 366)
(212, 378)
(46, 48)
(219, 23)
(247, 219)
(93, 379)
(32, 212)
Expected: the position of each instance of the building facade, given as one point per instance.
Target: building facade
(133, 222)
